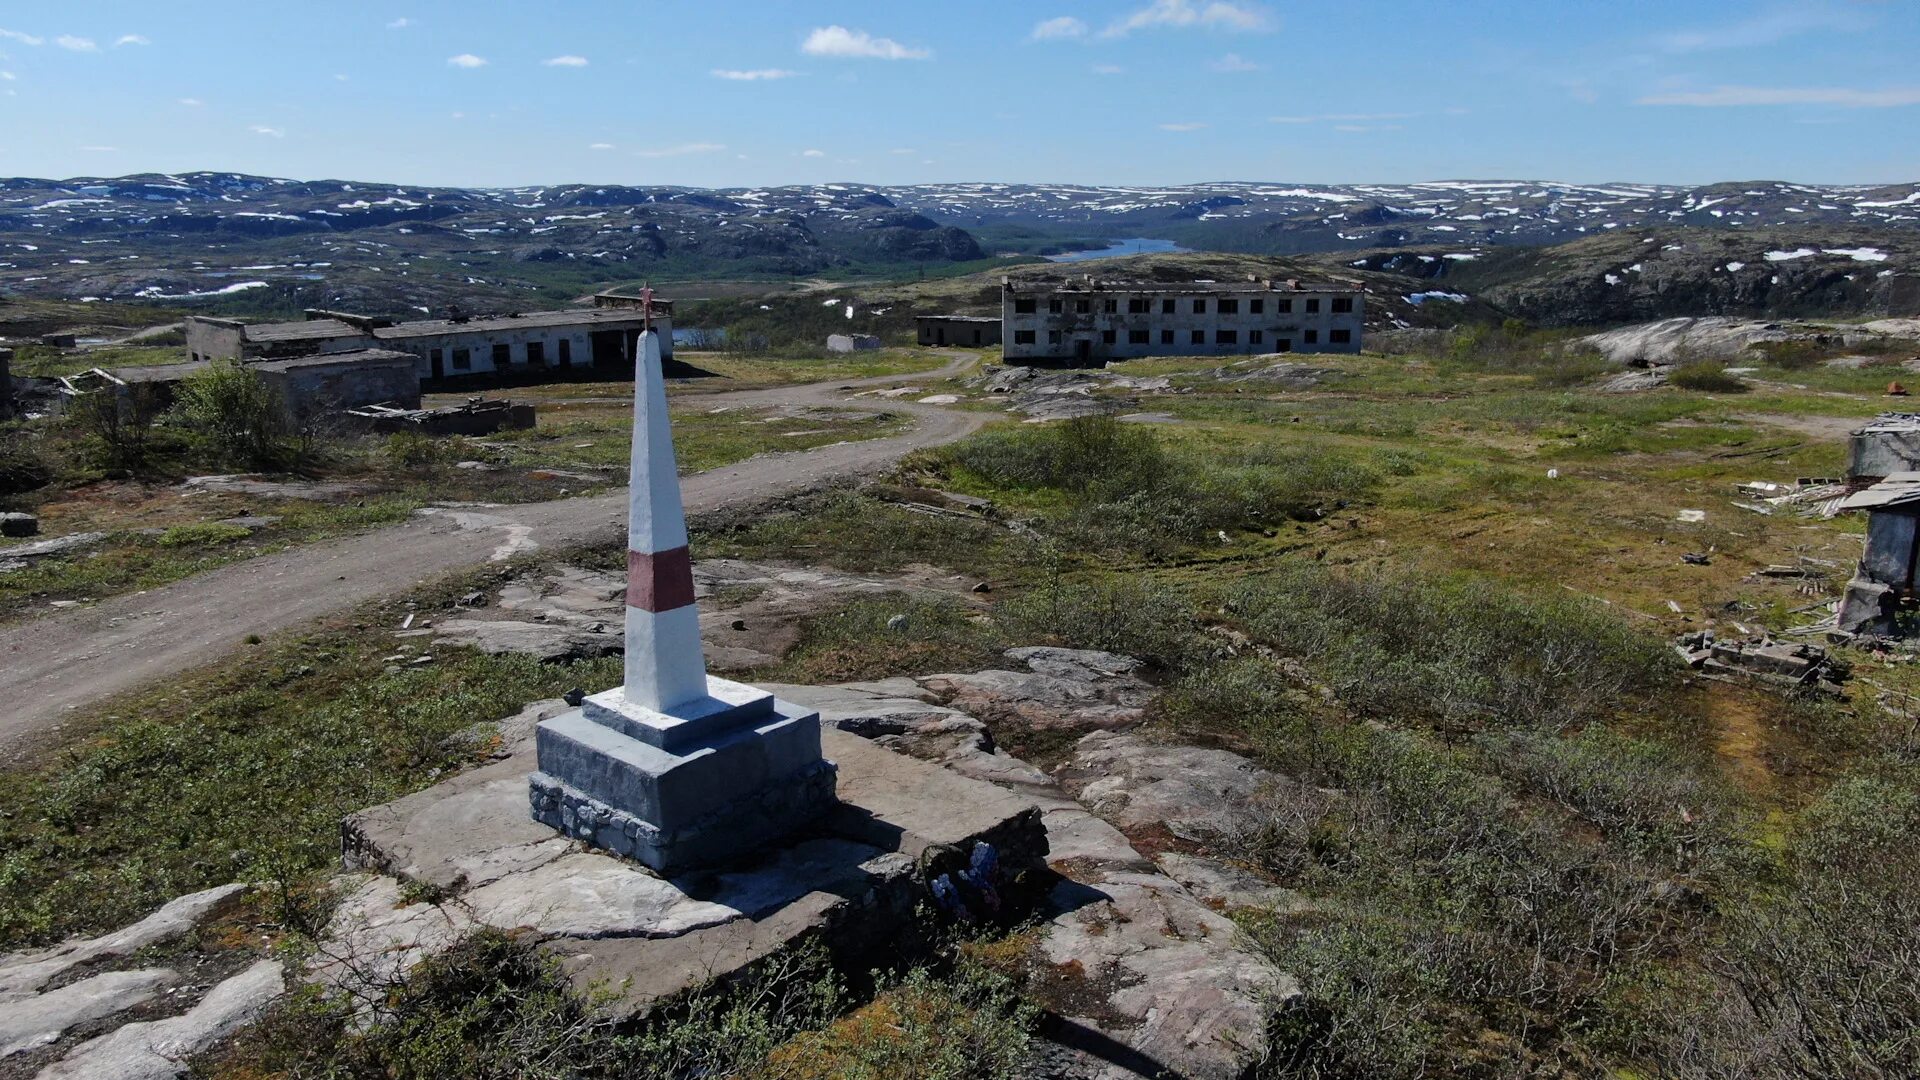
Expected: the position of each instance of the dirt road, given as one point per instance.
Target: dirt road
(54, 665)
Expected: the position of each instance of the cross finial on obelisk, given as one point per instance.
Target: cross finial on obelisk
(665, 666)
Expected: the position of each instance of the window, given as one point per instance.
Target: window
(502, 355)
(1199, 337)
(1199, 307)
(1053, 306)
(1137, 337)
(1284, 307)
(433, 357)
(1139, 305)
(1111, 306)
(1312, 337)
(536, 354)
(1107, 336)
(1343, 305)
(1229, 307)
(462, 360)
(1053, 337)
(1283, 345)
(566, 351)
(1226, 337)
(1255, 337)
(1023, 306)
(1166, 307)
(1313, 304)
(1255, 307)
(1082, 306)
(1340, 337)
(1166, 336)
(1023, 337)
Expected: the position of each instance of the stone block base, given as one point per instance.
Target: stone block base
(746, 823)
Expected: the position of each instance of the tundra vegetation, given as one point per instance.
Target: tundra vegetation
(1434, 586)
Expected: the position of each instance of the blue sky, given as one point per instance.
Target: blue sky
(755, 92)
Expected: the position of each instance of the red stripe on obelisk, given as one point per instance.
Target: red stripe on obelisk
(660, 581)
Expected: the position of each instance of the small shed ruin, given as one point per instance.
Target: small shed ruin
(846, 343)
(1889, 444)
(968, 330)
(1881, 593)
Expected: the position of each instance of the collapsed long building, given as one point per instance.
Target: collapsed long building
(459, 348)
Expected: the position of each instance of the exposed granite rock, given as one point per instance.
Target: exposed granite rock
(26, 973)
(26, 1023)
(1062, 690)
(159, 1049)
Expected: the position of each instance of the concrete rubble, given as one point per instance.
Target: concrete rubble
(1787, 665)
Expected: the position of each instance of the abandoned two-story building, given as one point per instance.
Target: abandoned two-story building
(502, 347)
(1091, 321)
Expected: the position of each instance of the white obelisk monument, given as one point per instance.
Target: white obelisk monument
(674, 768)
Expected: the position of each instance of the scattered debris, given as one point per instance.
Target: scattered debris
(1693, 515)
(1696, 558)
(479, 416)
(1792, 666)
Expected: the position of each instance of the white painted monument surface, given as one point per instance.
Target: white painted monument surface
(674, 768)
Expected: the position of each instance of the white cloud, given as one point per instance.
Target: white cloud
(842, 42)
(1066, 26)
(903, 150)
(24, 39)
(813, 153)
(754, 75)
(600, 146)
(1764, 29)
(682, 150)
(7, 76)
(467, 60)
(130, 39)
(1109, 69)
(566, 61)
(1192, 125)
(192, 102)
(1344, 118)
(343, 78)
(400, 24)
(1210, 15)
(77, 44)
(1233, 63)
(1842, 97)
(271, 132)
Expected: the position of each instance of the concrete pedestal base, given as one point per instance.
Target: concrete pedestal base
(713, 779)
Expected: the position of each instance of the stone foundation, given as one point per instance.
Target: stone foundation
(746, 823)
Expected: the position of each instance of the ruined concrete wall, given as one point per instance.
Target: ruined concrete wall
(1876, 455)
(961, 332)
(213, 339)
(308, 390)
(1103, 325)
(479, 346)
(1889, 554)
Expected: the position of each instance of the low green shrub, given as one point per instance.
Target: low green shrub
(201, 534)
(1132, 616)
(1460, 652)
(1708, 377)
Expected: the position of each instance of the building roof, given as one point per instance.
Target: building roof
(958, 318)
(1180, 288)
(490, 323)
(1892, 421)
(1898, 489)
(304, 330)
(321, 360)
(157, 373)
